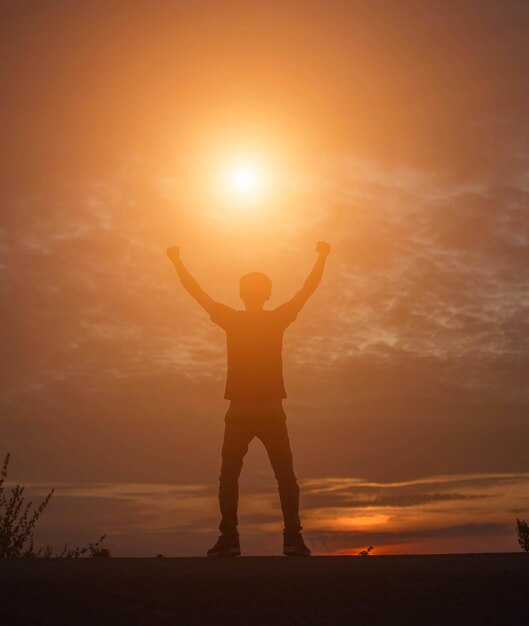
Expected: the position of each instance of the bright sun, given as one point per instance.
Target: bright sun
(245, 183)
(245, 179)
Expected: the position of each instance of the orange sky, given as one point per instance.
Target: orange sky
(399, 134)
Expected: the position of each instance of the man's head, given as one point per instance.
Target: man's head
(255, 289)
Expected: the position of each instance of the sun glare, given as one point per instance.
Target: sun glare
(245, 179)
(245, 183)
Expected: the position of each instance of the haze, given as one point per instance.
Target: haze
(399, 133)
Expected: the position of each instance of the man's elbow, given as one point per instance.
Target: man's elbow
(309, 288)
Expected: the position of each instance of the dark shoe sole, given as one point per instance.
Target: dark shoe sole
(225, 555)
(294, 553)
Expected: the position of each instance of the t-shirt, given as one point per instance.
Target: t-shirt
(254, 342)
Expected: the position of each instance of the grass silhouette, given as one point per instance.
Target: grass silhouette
(17, 524)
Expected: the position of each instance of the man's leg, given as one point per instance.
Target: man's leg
(237, 437)
(274, 436)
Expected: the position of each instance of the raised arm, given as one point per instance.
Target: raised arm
(313, 279)
(188, 282)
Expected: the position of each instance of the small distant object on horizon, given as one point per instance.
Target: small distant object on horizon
(365, 552)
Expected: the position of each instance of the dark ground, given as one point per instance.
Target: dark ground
(466, 589)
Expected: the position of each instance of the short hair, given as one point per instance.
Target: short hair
(255, 282)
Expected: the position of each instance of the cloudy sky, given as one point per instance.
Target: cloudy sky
(396, 131)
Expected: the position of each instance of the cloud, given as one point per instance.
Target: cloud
(408, 357)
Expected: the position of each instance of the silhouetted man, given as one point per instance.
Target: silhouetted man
(256, 390)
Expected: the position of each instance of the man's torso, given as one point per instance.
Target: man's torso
(254, 344)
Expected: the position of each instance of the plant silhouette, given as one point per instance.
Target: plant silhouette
(17, 524)
(522, 529)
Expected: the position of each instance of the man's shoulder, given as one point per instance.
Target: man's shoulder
(222, 314)
(232, 318)
(285, 313)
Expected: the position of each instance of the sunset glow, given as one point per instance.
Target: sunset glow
(243, 133)
(244, 183)
(245, 179)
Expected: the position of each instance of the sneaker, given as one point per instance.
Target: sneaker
(226, 546)
(293, 545)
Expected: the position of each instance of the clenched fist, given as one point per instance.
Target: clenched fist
(323, 248)
(173, 253)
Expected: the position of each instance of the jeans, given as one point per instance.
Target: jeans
(266, 420)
